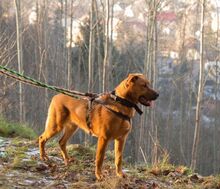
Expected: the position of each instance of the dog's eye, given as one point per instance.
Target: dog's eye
(145, 86)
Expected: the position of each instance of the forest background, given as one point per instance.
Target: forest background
(92, 45)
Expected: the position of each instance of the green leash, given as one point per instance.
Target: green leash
(28, 80)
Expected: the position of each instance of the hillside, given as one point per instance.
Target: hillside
(21, 168)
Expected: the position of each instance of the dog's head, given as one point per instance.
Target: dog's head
(137, 88)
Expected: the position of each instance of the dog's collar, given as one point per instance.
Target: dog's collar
(125, 102)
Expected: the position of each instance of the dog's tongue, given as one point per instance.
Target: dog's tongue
(152, 104)
(149, 103)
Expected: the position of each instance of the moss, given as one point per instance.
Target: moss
(13, 150)
(17, 162)
(76, 167)
(21, 161)
(81, 152)
(52, 143)
(10, 129)
(10, 151)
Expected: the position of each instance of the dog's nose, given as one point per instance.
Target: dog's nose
(157, 95)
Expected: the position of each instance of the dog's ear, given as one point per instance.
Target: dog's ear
(134, 78)
(131, 79)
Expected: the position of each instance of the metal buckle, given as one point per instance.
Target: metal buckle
(113, 96)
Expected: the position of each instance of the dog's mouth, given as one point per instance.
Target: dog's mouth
(145, 101)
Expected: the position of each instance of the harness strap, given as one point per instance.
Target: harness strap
(122, 101)
(119, 114)
(125, 102)
(88, 115)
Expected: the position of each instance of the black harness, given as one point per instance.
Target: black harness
(119, 114)
(116, 98)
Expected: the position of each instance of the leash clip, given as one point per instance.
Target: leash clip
(113, 97)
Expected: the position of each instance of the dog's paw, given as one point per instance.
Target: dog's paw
(44, 158)
(68, 161)
(121, 174)
(99, 176)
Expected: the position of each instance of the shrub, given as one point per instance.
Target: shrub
(10, 129)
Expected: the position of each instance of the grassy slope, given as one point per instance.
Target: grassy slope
(10, 129)
(20, 166)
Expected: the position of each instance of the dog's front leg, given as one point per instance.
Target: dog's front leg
(100, 154)
(119, 147)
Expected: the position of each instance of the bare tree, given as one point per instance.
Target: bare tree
(20, 58)
(99, 56)
(111, 42)
(69, 61)
(107, 47)
(150, 71)
(65, 53)
(217, 81)
(200, 91)
(91, 47)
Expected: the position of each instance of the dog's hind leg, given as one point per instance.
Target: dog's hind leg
(51, 130)
(68, 132)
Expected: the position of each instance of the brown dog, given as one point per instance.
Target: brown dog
(110, 118)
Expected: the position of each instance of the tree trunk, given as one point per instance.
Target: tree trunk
(20, 58)
(65, 53)
(46, 53)
(69, 62)
(217, 81)
(200, 92)
(106, 56)
(154, 78)
(181, 85)
(111, 46)
(91, 48)
(150, 71)
(99, 56)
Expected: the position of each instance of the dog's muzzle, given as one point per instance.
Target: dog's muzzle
(146, 101)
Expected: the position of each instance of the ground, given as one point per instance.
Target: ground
(21, 168)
